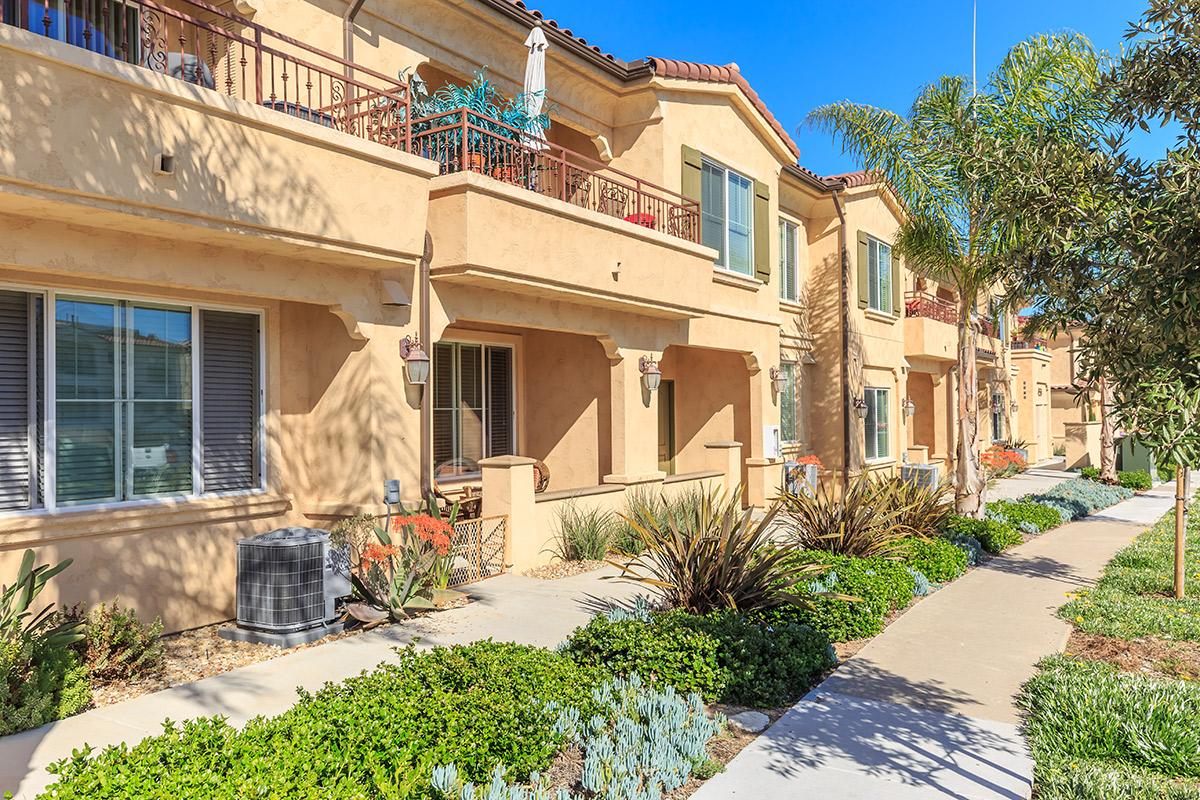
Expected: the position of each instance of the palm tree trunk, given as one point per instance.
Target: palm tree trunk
(1108, 448)
(968, 496)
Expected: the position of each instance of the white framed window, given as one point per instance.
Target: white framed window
(727, 216)
(111, 400)
(792, 426)
(879, 276)
(876, 442)
(789, 260)
(474, 409)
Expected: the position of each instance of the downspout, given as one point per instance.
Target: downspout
(426, 404)
(844, 283)
(348, 34)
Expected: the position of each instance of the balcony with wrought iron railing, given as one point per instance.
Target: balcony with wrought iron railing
(930, 330)
(212, 48)
(1031, 343)
(930, 306)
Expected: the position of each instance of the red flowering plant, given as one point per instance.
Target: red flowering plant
(409, 561)
(1000, 461)
(811, 459)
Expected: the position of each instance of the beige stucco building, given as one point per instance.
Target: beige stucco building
(220, 227)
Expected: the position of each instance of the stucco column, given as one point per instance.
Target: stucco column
(727, 458)
(508, 491)
(764, 471)
(634, 423)
(945, 411)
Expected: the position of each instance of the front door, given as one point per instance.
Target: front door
(666, 427)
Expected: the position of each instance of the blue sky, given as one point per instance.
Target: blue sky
(864, 50)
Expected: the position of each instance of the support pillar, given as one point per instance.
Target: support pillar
(508, 491)
(727, 458)
(634, 423)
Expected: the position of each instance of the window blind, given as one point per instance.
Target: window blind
(229, 411)
(500, 405)
(17, 370)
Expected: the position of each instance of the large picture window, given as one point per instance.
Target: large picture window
(110, 409)
(473, 409)
(727, 216)
(876, 434)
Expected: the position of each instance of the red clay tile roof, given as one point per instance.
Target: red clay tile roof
(852, 180)
(712, 73)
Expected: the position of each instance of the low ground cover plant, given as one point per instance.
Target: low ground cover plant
(1086, 712)
(375, 735)
(1133, 598)
(937, 558)
(852, 599)
(1079, 497)
(723, 656)
(994, 536)
(1024, 515)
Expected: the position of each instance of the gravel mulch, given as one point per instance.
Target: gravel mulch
(563, 569)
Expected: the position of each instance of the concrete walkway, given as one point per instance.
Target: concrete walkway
(509, 608)
(1037, 478)
(926, 709)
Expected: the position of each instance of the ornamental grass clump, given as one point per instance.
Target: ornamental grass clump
(711, 555)
(868, 518)
(583, 534)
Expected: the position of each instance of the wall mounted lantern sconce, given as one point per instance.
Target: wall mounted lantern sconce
(778, 380)
(416, 360)
(860, 407)
(651, 374)
(1013, 407)
(910, 407)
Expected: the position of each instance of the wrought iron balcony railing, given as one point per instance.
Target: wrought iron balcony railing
(462, 141)
(929, 306)
(206, 46)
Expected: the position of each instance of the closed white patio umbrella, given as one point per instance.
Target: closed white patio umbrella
(535, 85)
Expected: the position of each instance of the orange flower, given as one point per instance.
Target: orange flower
(375, 553)
(429, 529)
(814, 460)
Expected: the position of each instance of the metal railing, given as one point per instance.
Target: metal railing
(206, 46)
(1034, 343)
(928, 306)
(462, 141)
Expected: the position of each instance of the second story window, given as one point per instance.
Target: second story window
(727, 216)
(789, 260)
(879, 276)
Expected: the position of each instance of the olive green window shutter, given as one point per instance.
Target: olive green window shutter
(690, 182)
(762, 231)
(863, 289)
(897, 286)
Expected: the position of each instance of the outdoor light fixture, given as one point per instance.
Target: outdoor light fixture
(416, 360)
(860, 406)
(910, 407)
(651, 374)
(1013, 407)
(778, 380)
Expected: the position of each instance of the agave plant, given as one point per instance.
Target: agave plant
(864, 520)
(19, 620)
(709, 553)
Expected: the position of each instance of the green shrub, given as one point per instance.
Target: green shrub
(39, 684)
(375, 735)
(119, 646)
(1087, 710)
(878, 585)
(723, 656)
(583, 535)
(1136, 479)
(937, 558)
(1091, 473)
(993, 535)
(1024, 515)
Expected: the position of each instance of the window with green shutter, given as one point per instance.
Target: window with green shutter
(727, 203)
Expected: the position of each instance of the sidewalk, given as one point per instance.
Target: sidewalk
(509, 608)
(926, 709)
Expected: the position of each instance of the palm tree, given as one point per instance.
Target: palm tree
(933, 160)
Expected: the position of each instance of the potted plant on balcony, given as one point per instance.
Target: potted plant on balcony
(497, 127)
